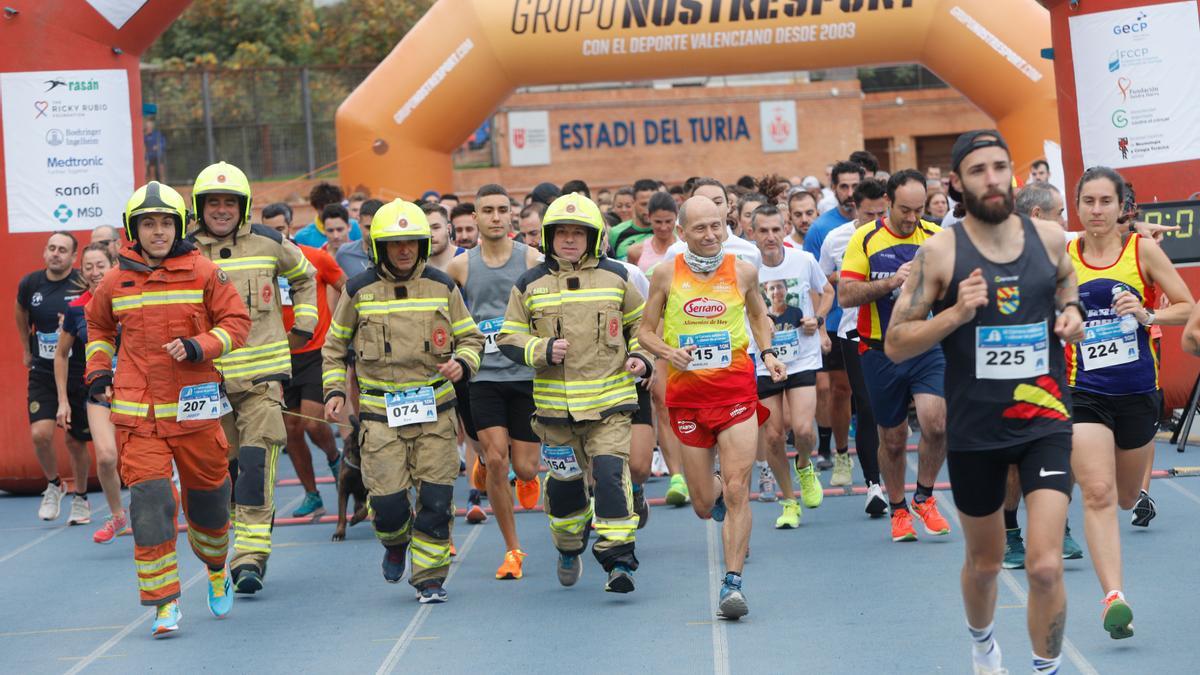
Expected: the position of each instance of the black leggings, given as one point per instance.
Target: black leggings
(866, 435)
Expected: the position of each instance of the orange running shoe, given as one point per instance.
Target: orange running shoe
(933, 521)
(528, 492)
(511, 567)
(479, 475)
(902, 526)
(453, 549)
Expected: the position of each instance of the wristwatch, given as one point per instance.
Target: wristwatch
(820, 321)
(769, 350)
(1149, 318)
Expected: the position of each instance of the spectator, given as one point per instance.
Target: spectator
(313, 234)
(156, 150)
(337, 227)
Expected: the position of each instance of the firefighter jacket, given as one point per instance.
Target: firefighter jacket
(400, 330)
(595, 307)
(186, 297)
(254, 257)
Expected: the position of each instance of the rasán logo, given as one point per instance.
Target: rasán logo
(704, 308)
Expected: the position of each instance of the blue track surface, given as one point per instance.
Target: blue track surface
(835, 596)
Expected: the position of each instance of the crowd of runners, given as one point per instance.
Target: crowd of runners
(568, 345)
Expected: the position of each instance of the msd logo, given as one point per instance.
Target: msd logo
(704, 308)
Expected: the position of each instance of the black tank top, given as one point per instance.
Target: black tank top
(1005, 370)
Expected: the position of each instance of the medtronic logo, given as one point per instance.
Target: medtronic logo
(73, 162)
(63, 213)
(704, 308)
(1138, 25)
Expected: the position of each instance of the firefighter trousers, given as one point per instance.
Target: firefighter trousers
(256, 435)
(395, 462)
(154, 504)
(601, 448)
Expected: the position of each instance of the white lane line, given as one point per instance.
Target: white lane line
(720, 638)
(406, 638)
(1171, 484)
(12, 554)
(129, 628)
(1073, 655)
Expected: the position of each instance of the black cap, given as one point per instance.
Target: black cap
(545, 193)
(967, 143)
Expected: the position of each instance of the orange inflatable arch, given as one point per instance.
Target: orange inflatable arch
(396, 132)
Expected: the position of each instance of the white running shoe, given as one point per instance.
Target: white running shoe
(877, 504)
(81, 511)
(658, 466)
(51, 502)
(766, 484)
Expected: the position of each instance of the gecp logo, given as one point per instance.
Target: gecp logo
(1138, 25)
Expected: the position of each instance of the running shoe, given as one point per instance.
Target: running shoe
(479, 475)
(511, 567)
(220, 592)
(453, 548)
(166, 620)
(311, 507)
(620, 580)
(931, 518)
(475, 512)
(1071, 550)
(430, 592)
(902, 526)
(570, 568)
(732, 604)
(247, 580)
(842, 467)
(810, 486)
(1118, 616)
(81, 511)
(335, 467)
(1144, 510)
(1014, 550)
(528, 492)
(823, 462)
(766, 484)
(790, 518)
(658, 466)
(640, 507)
(394, 562)
(51, 502)
(114, 526)
(717, 512)
(877, 505)
(677, 491)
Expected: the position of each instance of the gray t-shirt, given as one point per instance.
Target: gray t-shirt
(352, 259)
(486, 294)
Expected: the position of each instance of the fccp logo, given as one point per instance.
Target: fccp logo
(1138, 25)
(1132, 57)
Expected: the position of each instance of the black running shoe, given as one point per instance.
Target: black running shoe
(1144, 510)
(641, 508)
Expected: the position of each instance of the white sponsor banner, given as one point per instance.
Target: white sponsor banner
(778, 124)
(68, 148)
(1137, 85)
(529, 138)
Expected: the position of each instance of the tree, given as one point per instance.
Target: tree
(245, 33)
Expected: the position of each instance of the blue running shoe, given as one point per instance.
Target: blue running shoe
(570, 568)
(247, 580)
(311, 507)
(718, 509)
(166, 620)
(335, 467)
(1071, 549)
(220, 593)
(394, 562)
(620, 580)
(732, 603)
(431, 592)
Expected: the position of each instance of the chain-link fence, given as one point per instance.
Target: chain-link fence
(271, 122)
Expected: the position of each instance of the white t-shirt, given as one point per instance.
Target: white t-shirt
(833, 249)
(740, 248)
(800, 272)
(827, 202)
(638, 277)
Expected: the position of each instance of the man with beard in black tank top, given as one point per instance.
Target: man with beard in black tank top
(1005, 298)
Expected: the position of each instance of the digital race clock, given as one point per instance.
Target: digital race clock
(1182, 246)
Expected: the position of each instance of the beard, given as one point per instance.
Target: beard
(977, 206)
